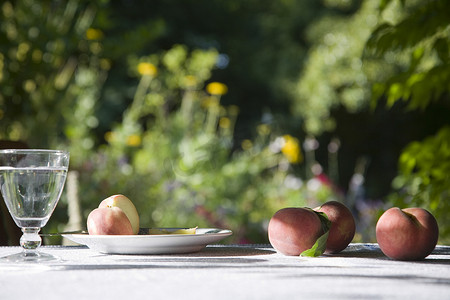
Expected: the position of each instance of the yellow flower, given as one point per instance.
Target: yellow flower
(109, 136)
(105, 64)
(224, 122)
(29, 86)
(263, 129)
(291, 149)
(216, 88)
(210, 102)
(134, 140)
(94, 34)
(246, 144)
(145, 68)
(190, 81)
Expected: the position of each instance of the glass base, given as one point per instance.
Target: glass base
(29, 257)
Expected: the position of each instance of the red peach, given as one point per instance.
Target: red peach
(293, 230)
(407, 234)
(342, 228)
(126, 205)
(109, 221)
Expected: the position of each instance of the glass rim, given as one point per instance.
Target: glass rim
(33, 151)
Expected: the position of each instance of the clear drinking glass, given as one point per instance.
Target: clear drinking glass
(31, 183)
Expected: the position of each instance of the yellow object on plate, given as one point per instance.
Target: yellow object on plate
(172, 230)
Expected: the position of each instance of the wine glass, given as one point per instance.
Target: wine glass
(31, 183)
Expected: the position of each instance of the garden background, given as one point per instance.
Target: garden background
(218, 113)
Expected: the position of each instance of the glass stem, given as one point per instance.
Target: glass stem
(30, 240)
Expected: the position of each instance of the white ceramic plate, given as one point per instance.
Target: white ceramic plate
(151, 244)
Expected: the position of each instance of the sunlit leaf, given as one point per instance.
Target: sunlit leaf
(321, 244)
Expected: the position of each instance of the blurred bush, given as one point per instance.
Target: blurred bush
(46, 63)
(424, 180)
(424, 169)
(173, 150)
(174, 155)
(225, 129)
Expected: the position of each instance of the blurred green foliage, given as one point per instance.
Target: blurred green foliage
(424, 181)
(173, 154)
(422, 35)
(153, 127)
(202, 112)
(393, 54)
(335, 74)
(43, 50)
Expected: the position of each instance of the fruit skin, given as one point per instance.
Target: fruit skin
(342, 228)
(109, 221)
(126, 205)
(293, 230)
(407, 234)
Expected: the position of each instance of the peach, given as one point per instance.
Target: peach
(127, 206)
(342, 228)
(407, 234)
(293, 230)
(108, 221)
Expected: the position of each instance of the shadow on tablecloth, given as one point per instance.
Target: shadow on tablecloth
(438, 256)
(234, 250)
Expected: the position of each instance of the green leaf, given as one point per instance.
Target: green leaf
(394, 93)
(383, 5)
(321, 244)
(318, 248)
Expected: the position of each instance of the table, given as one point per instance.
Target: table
(227, 272)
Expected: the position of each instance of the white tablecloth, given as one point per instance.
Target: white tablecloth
(227, 272)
